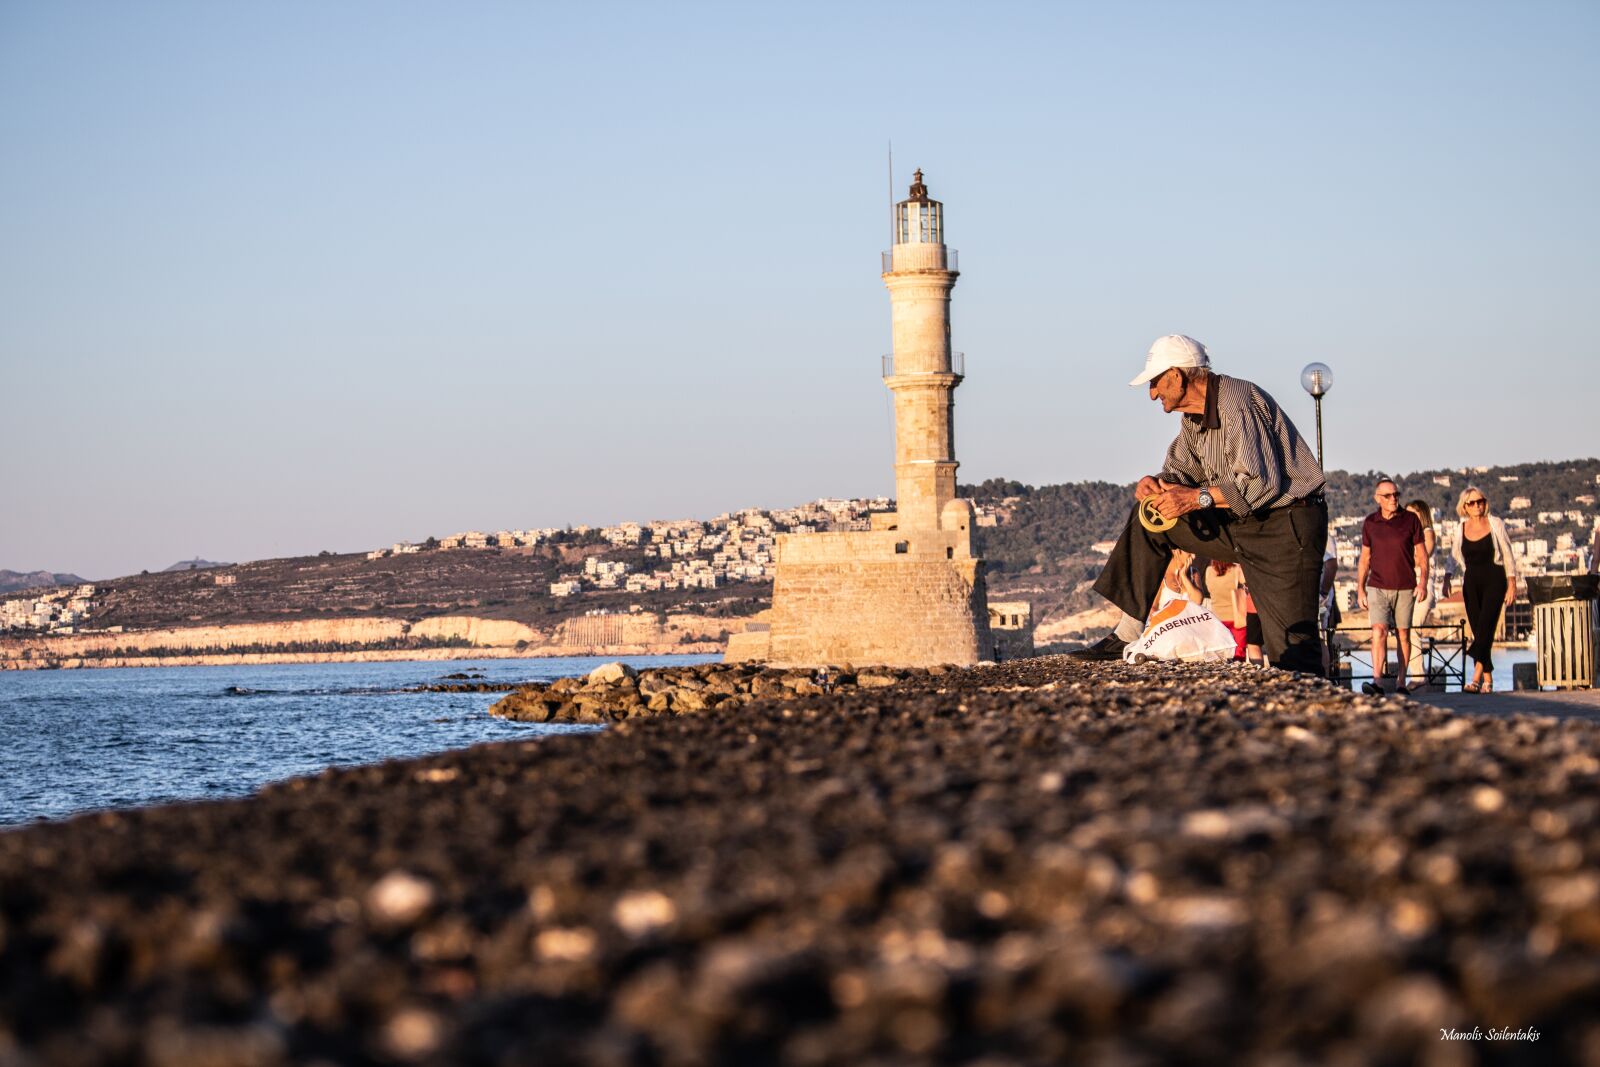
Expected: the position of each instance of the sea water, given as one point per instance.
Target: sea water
(79, 740)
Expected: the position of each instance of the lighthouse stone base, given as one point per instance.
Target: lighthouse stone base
(891, 597)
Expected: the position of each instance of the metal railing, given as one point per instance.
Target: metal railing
(952, 261)
(1444, 651)
(958, 365)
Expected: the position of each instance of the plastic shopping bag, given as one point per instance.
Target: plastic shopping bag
(1183, 630)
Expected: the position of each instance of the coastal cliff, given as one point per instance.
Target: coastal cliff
(367, 639)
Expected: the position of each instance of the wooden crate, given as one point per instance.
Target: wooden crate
(1565, 643)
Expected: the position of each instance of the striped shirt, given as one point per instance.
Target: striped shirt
(1245, 446)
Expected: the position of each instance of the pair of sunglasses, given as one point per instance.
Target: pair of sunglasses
(1475, 503)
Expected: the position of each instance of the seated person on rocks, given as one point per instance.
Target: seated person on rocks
(1222, 587)
(1245, 604)
(1177, 583)
(1327, 610)
(1181, 626)
(1244, 487)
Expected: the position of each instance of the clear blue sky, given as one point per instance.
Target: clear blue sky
(277, 278)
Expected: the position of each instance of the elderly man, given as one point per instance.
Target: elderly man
(1244, 487)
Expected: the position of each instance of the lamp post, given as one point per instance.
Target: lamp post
(1317, 379)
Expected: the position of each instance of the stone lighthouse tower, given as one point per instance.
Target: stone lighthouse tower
(920, 272)
(909, 591)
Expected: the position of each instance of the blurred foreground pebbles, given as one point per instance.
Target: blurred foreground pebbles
(1040, 862)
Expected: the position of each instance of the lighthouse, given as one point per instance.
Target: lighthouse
(920, 273)
(909, 591)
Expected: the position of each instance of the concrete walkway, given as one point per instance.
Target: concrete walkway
(1561, 704)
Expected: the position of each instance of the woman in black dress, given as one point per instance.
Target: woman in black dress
(1488, 580)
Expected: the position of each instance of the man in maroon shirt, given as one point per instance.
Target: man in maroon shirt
(1392, 575)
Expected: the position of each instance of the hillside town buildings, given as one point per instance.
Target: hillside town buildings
(59, 611)
(707, 554)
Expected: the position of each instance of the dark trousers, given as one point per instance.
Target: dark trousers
(1280, 551)
(1483, 590)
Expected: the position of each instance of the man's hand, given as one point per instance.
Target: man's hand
(1361, 597)
(1149, 485)
(1422, 590)
(1177, 500)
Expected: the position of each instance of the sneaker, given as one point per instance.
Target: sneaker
(1372, 689)
(1106, 649)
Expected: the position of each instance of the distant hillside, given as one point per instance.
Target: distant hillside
(12, 581)
(490, 583)
(1039, 551)
(1547, 486)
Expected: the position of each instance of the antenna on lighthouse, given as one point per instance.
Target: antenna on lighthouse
(891, 193)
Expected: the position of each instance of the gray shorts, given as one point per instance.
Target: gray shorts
(1384, 606)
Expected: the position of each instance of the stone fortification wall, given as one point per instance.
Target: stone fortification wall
(243, 635)
(1011, 629)
(912, 613)
(490, 633)
(888, 546)
(231, 659)
(291, 637)
(684, 629)
(1011, 644)
(351, 640)
(898, 597)
(751, 644)
(601, 630)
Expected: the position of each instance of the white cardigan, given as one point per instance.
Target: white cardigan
(1502, 547)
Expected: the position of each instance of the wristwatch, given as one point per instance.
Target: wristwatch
(1205, 499)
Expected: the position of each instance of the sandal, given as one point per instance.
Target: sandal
(1470, 687)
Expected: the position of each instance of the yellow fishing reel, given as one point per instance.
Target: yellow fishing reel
(1153, 520)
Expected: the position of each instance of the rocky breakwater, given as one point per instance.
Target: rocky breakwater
(1038, 863)
(615, 692)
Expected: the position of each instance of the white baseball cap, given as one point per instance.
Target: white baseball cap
(1173, 350)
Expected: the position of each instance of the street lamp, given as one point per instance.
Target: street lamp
(1317, 379)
